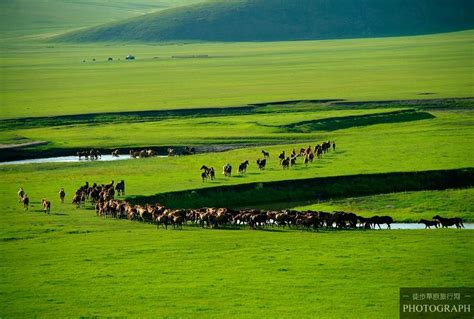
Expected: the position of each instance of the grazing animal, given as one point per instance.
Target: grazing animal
(77, 199)
(227, 170)
(333, 146)
(95, 154)
(120, 188)
(171, 152)
(265, 154)
(21, 193)
(212, 173)
(134, 154)
(207, 172)
(306, 160)
(282, 156)
(115, 153)
(429, 223)
(293, 161)
(83, 154)
(62, 194)
(285, 163)
(46, 206)
(243, 167)
(377, 220)
(261, 163)
(162, 220)
(26, 201)
(446, 222)
(189, 150)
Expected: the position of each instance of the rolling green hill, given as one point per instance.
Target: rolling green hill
(275, 20)
(26, 18)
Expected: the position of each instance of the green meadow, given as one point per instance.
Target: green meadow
(24, 19)
(74, 264)
(407, 207)
(47, 79)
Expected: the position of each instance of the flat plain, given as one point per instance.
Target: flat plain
(405, 107)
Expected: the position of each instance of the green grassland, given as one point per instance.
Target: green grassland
(261, 127)
(408, 207)
(40, 79)
(74, 264)
(27, 19)
(442, 142)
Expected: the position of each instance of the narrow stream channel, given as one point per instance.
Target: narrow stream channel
(68, 159)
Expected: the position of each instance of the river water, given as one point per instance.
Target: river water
(68, 159)
(420, 226)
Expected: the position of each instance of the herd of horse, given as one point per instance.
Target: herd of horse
(103, 198)
(308, 154)
(95, 154)
(92, 154)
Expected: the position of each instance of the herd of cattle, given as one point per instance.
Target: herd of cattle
(308, 154)
(103, 197)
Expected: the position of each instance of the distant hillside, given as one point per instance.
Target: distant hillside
(33, 17)
(275, 20)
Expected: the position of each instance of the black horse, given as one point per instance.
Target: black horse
(446, 222)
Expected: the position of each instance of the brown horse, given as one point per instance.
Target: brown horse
(26, 201)
(207, 172)
(21, 193)
(62, 194)
(446, 222)
(120, 188)
(162, 220)
(46, 206)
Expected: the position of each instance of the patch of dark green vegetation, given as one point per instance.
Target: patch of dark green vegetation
(421, 104)
(258, 108)
(283, 20)
(237, 196)
(338, 123)
(120, 117)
